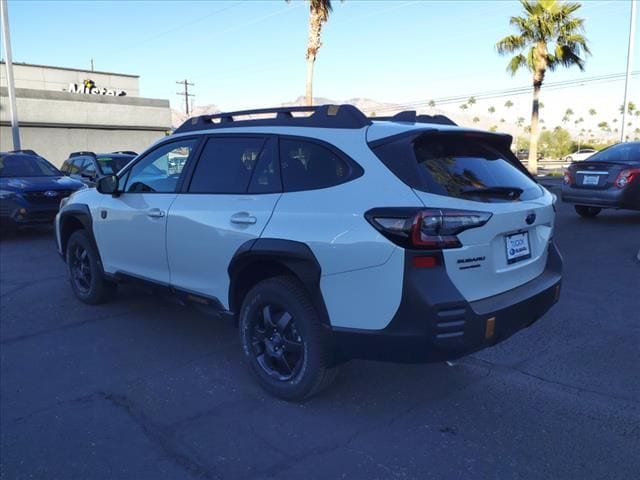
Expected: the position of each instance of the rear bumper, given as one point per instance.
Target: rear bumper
(628, 197)
(434, 322)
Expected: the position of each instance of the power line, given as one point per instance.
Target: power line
(185, 93)
(486, 95)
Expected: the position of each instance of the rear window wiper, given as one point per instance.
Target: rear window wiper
(512, 193)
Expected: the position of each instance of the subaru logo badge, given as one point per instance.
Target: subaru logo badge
(50, 193)
(530, 218)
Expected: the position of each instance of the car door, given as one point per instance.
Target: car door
(229, 200)
(131, 226)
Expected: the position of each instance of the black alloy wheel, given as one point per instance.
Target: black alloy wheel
(85, 272)
(285, 344)
(277, 345)
(80, 268)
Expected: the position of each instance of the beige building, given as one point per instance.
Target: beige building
(61, 110)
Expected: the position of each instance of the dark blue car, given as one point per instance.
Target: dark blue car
(31, 189)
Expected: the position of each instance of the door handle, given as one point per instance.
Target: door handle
(155, 213)
(243, 218)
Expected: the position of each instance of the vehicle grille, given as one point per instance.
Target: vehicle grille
(39, 198)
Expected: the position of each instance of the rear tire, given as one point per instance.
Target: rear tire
(587, 212)
(85, 274)
(283, 340)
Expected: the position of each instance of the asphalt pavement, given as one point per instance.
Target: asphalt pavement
(142, 388)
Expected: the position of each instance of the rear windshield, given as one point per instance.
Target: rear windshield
(622, 152)
(460, 167)
(110, 165)
(26, 166)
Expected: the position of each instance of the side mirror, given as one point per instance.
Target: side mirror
(108, 185)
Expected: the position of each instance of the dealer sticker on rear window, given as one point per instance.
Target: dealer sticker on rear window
(517, 247)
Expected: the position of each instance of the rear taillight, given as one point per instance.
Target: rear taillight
(566, 177)
(626, 177)
(425, 228)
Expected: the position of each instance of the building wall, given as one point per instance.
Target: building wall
(55, 144)
(57, 123)
(57, 79)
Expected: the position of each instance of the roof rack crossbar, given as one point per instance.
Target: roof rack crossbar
(325, 116)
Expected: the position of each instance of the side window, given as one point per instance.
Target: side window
(226, 164)
(65, 167)
(75, 165)
(308, 166)
(89, 168)
(160, 170)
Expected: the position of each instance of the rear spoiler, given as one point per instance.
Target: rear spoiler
(82, 154)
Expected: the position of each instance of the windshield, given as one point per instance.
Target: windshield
(622, 152)
(111, 165)
(26, 166)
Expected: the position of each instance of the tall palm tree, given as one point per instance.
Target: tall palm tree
(319, 11)
(464, 107)
(471, 101)
(592, 112)
(549, 36)
(508, 104)
(491, 110)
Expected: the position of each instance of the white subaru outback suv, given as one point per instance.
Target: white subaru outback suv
(329, 236)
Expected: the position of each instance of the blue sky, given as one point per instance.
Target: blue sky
(251, 53)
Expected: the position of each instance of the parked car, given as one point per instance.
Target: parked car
(580, 155)
(328, 237)
(31, 189)
(608, 179)
(88, 167)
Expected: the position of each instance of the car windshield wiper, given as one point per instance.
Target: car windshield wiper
(509, 192)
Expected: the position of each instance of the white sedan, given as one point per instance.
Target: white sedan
(580, 155)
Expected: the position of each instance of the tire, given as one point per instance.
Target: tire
(85, 274)
(587, 212)
(283, 340)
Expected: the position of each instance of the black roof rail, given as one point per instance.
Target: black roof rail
(325, 116)
(410, 116)
(125, 152)
(27, 151)
(82, 154)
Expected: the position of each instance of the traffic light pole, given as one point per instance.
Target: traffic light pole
(11, 86)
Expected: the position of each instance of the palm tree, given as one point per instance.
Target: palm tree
(319, 11)
(491, 110)
(476, 119)
(471, 101)
(604, 126)
(432, 104)
(550, 36)
(592, 112)
(508, 104)
(464, 106)
(520, 122)
(568, 112)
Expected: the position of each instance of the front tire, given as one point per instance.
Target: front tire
(85, 275)
(283, 340)
(587, 212)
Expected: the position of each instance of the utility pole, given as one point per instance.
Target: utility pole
(185, 93)
(632, 31)
(92, 64)
(11, 86)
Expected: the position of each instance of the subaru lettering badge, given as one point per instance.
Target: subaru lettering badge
(50, 193)
(530, 218)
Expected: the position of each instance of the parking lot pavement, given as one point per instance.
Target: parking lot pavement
(142, 388)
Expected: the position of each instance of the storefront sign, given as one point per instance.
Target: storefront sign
(89, 87)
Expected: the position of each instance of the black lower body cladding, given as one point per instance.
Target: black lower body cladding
(435, 323)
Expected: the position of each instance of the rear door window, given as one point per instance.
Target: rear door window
(459, 167)
(226, 165)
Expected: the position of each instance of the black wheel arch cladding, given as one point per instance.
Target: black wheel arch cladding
(289, 256)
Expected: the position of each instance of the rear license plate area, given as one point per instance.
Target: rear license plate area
(517, 247)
